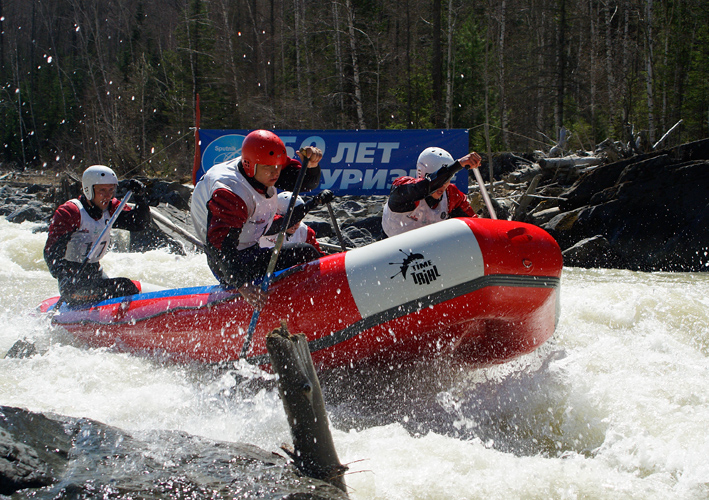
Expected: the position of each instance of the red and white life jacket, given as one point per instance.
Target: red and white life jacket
(395, 223)
(261, 209)
(86, 235)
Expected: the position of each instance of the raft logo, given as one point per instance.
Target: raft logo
(423, 271)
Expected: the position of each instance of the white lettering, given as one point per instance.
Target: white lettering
(365, 153)
(395, 174)
(350, 176)
(350, 147)
(387, 147)
(289, 139)
(329, 177)
(374, 179)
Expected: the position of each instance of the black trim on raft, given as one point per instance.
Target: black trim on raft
(509, 280)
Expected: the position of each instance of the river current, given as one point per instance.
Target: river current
(614, 406)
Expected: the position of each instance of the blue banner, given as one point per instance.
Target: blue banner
(355, 162)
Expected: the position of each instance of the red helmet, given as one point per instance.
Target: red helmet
(262, 147)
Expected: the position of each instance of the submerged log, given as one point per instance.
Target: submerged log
(314, 451)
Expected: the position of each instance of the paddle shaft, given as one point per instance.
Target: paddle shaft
(94, 247)
(274, 256)
(336, 226)
(483, 191)
(174, 227)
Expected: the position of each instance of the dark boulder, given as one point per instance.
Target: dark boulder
(52, 456)
(652, 209)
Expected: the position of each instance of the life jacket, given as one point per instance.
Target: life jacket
(83, 239)
(300, 235)
(395, 223)
(260, 208)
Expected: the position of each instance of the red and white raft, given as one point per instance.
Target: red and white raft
(477, 291)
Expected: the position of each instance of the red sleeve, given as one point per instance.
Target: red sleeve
(311, 239)
(457, 200)
(114, 205)
(405, 179)
(226, 211)
(66, 220)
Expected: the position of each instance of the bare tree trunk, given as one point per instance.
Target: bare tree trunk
(541, 78)
(610, 80)
(298, 67)
(449, 67)
(2, 41)
(306, 72)
(339, 63)
(355, 65)
(501, 69)
(487, 97)
(649, 72)
(272, 52)
(624, 86)
(594, 48)
(409, 90)
(191, 52)
(561, 67)
(436, 72)
(232, 60)
(20, 119)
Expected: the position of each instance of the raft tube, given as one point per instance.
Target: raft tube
(478, 291)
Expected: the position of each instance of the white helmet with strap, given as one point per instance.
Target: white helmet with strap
(284, 201)
(431, 160)
(96, 174)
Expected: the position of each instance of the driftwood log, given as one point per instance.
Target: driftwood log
(314, 451)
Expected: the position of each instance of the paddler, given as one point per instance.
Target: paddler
(299, 231)
(75, 228)
(235, 203)
(429, 197)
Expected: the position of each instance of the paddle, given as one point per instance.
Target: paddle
(483, 191)
(274, 254)
(174, 227)
(94, 248)
(336, 226)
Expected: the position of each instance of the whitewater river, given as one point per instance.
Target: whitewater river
(616, 406)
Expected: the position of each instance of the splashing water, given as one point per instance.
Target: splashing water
(615, 406)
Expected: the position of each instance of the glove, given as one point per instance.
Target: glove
(137, 187)
(140, 192)
(325, 197)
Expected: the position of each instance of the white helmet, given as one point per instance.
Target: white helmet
(284, 201)
(96, 174)
(431, 160)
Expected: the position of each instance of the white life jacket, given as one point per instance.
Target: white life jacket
(299, 236)
(395, 223)
(261, 210)
(83, 239)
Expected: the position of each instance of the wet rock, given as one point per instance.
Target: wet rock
(652, 209)
(52, 456)
(32, 211)
(590, 252)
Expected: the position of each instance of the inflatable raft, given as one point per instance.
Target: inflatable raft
(478, 291)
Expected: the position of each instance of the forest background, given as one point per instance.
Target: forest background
(116, 81)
